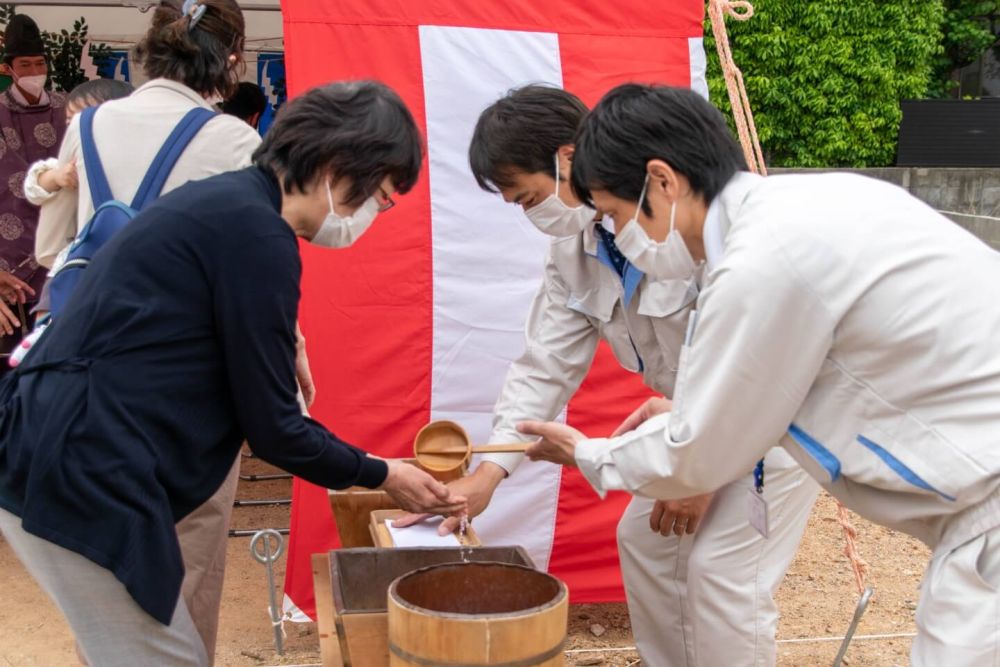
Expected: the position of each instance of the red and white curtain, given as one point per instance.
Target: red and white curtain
(420, 319)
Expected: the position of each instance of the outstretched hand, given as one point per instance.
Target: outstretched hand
(476, 488)
(416, 491)
(557, 442)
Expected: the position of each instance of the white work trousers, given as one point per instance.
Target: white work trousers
(958, 617)
(707, 599)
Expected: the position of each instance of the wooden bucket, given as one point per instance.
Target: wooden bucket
(351, 591)
(463, 614)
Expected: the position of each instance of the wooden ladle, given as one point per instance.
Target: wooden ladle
(444, 445)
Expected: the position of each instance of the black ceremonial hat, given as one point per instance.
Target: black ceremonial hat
(22, 38)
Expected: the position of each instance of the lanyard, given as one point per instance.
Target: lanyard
(758, 476)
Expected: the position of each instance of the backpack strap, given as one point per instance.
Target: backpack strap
(100, 191)
(170, 152)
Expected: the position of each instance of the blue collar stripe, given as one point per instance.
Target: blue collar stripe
(630, 281)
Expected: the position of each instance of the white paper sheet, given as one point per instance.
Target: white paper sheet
(423, 534)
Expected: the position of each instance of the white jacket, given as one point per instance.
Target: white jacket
(859, 327)
(580, 302)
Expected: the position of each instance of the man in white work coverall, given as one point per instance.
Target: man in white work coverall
(839, 315)
(696, 597)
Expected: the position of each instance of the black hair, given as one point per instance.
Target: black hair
(196, 55)
(522, 131)
(633, 124)
(99, 90)
(247, 101)
(359, 130)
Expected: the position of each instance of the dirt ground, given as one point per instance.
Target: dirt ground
(817, 600)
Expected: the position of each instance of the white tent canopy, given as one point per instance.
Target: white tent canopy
(122, 22)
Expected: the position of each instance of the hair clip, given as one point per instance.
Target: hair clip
(194, 11)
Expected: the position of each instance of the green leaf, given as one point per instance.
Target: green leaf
(825, 79)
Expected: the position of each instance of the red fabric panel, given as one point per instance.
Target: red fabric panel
(366, 310)
(676, 18)
(584, 550)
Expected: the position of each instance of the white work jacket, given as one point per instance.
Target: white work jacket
(857, 326)
(580, 302)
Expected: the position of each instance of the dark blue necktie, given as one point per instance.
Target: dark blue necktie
(614, 254)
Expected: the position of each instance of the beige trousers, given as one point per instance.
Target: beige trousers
(203, 536)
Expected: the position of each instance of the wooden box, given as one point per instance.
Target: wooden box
(352, 510)
(352, 595)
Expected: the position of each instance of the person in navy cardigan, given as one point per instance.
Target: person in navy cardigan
(178, 344)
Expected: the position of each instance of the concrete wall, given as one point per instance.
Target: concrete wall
(970, 197)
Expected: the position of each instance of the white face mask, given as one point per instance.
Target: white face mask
(669, 260)
(340, 232)
(555, 218)
(32, 85)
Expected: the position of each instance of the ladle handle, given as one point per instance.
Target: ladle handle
(509, 447)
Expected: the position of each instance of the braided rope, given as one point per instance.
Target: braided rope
(740, 10)
(858, 564)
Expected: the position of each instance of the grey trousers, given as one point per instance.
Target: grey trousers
(110, 628)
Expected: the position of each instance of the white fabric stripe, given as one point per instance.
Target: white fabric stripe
(699, 65)
(291, 612)
(488, 259)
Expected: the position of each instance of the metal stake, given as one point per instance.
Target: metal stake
(263, 478)
(260, 503)
(859, 611)
(250, 532)
(267, 559)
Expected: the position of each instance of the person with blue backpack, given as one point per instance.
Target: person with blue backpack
(192, 54)
(110, 215)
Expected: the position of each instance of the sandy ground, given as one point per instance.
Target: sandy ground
(817, 601)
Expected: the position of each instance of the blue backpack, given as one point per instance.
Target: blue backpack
(110, 214)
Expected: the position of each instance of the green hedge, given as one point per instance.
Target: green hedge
(825, 78)
(969, 30)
